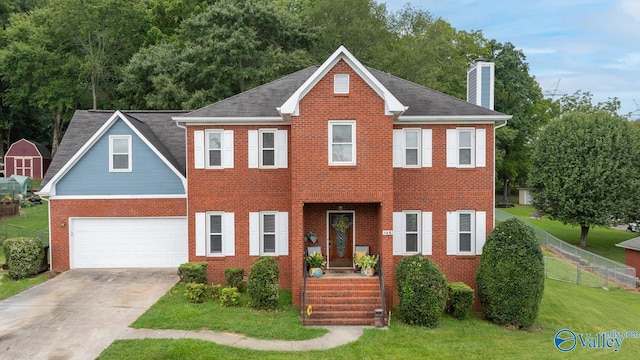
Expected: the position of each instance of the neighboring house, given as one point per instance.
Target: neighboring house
(27, 158)
(631, 253)
(355, 155)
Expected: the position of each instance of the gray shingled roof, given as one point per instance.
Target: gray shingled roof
(46, 154)
(156, 126)
(632, 244)
(265, 99)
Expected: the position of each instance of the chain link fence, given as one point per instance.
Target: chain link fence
(11, 231)
(577, 265)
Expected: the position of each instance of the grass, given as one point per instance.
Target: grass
(9, 287)
(36, 219)
(172, 311)
(564, 306)
(600, 240)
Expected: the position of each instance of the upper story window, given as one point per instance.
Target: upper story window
(412, 148)
(466, 147)
(342, 142)
(341, 83)
(268, 149)
(120, 153)
(213, 149)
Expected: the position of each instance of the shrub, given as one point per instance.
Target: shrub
(422, 289)
(263, 283)
(460, 299)
(216, 291)
(234, 278)
(24, 257)
(510, 276)
(193, 272)
(229, 296)
(197, 292)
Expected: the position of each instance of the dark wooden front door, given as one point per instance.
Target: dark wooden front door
(340, 239)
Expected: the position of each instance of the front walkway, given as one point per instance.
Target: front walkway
(337, 336)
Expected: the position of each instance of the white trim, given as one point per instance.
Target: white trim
(392, 105)
(49, 188)
(129, 153)
(201, 233)
(261, 148)
(453, 119)
(275, 233)
(427, 233)
(419, 224)
(208, 234)
(207, 150)
(228, 120)
(418, 147)
(330, 144)
(114, 197)
(472, 232)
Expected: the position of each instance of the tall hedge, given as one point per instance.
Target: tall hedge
(510, 276)
(24, 256)
(422, 289)
(263, 286)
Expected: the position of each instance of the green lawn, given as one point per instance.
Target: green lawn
(36, 220)
(600, 241)
(578, 308)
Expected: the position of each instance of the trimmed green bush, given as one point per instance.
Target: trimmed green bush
(510, 276)
(193, 272)
(196, 292)
(422, 288)
(24, 257)
(234, 278)
(229, 296)
(460, 299)
(216, 291)
(263, 286)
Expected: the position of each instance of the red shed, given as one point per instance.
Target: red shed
(27, 158)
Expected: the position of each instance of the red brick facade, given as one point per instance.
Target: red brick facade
(310, 187)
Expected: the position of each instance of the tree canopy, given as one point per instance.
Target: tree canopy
(584, 170)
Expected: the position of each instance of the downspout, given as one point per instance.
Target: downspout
(496, 127)
(186, 184)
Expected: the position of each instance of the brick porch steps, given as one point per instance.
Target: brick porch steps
(342, 301)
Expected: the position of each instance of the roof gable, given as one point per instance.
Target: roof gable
(392, 105)
(87, 127)
(41, 149)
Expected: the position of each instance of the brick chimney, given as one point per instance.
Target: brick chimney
(480, 79)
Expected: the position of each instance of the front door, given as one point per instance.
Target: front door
(341, 230)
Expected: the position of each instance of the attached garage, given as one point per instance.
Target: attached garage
(128, 242)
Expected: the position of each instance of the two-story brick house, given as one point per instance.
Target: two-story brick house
(353, 155)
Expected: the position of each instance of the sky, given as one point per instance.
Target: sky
(570, 45)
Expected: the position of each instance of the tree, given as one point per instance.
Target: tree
(518, 94)
(584, 170)
(228, 48)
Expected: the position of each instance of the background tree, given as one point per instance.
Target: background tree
(584, 170)
(228, 48)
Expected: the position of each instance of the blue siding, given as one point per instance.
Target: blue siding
(485, 92)
(91, 176)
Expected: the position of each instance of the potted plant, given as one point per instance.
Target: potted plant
(315, 262)
(367, 264)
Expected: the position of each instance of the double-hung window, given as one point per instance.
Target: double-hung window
(268, 148)
(120, 153)
(465, 235)
(466, 232)
(342, 142)
(214, 148)
(214, 233)
(412, 231)
(412, 148)
(466, 147)
(268, 233)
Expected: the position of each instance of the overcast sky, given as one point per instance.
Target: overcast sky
(588, 45)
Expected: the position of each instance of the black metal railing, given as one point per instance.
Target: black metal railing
(384, 301)
(303, 309)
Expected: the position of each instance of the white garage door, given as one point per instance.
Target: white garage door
(128, 242)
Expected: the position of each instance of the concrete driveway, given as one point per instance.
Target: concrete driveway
(79, 313)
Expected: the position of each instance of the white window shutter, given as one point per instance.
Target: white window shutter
(253, 149)
(227, 144)
(229, 236)
(398, 148)
(283, 233)
(452, 233)
(481, 148)
(198, 149)
(426, 148)
(427, 243)
(481, 230)
(254, 234)
(282, 149)
(452, 148)
(398, 233)
(201, 234)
